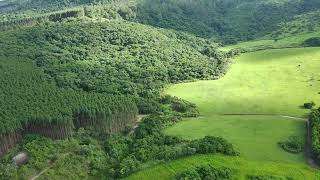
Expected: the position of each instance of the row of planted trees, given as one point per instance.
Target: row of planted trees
(37, 19)
(29, 104)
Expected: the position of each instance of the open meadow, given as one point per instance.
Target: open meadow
(248, 106)
(254, 106)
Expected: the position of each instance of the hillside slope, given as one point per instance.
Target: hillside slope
(229, 21)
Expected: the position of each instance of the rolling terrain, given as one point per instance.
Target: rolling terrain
(273, 84)
(160, 89)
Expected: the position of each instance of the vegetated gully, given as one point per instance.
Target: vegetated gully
(307, 151)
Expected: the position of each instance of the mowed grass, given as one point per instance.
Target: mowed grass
(242, 168)
(274, 82)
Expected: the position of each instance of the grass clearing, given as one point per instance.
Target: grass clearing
(273, 82)
(265, 82)
(242, 167)
(291, 41)
(255, 136)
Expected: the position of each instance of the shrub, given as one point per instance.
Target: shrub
(292, 145)
(210, 144)
(267, 177)
(205, 172)
(312, 42)
(190, 174)
(309, 105)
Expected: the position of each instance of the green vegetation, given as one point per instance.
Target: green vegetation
(205, 172)
(38, 19)
(315, 133)
(80, 71)
(292, 145)
(312, 42)
(294, 41)
(228, 21)
(114, 57)
(309, 105)
(92, 154)
(301, 24)
(30, 104)
(242, 168)
(265, 80)
(273, 83)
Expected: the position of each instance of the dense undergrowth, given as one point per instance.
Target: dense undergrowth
(90, 154)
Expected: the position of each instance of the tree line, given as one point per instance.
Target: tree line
(38, 19)
(314, 119)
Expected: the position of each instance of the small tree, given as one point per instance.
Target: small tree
(309, 105)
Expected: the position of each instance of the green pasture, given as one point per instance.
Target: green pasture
(242, 168)
(268, 43)
(268, 85)
(248, 107)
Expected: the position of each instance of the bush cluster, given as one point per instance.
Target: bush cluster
(205, 172)
(312, 42)
(292, 145)
(309, 105)
(267, 177)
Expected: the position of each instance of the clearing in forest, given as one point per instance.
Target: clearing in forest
(272, 83)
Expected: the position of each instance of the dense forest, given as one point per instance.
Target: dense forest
(116, 57)
(228, 21)
(224, 21)
(29, 104)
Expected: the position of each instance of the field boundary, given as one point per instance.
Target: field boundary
(256, 114)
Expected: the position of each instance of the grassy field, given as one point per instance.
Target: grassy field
(265, 82)
(267, 43)
(274, 82)
(256, 137)
(241, 166)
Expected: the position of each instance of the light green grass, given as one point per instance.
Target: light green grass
(256, 137)
(243, 168)
(267, 82)
(273, 82)
(266, 43)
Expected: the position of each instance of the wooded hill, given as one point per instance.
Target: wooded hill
(115, 57)
(224, 21)
(84, 62)
(30, 104)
